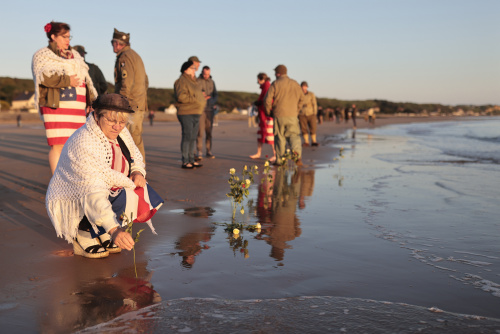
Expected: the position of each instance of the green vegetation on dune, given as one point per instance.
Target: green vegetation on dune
(161, 98)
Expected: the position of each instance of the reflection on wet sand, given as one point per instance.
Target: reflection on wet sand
(192, 243)
(277, 205)
(101, 300)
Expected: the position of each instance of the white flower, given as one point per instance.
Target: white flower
(287, 150)
(236, 231)
(232, 171)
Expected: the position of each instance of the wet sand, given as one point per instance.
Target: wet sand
(43, 284)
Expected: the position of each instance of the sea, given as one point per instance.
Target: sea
(399, 233)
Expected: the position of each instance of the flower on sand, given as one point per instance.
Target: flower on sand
(236, 231)
(232, 171)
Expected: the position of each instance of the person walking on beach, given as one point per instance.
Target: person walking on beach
(131, 81)
(63, 88)
(207, 85)
(307, 116)
(190, 103)
(282, 102)
(95, 72)
(266, 123)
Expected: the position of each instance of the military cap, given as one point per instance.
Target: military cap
(194, 58)
(281, 69)
(80, 49)
(121, 36)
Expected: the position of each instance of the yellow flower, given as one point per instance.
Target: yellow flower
(247, 181)
(232, 171)
(236, 231)
(242, 211)
(245, 167)
(257, 225)
(255, 167)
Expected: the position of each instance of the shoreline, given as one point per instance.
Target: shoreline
(41, 265)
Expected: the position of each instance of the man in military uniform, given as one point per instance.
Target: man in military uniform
(283, 102)
(100, 84)
(307, 115)
(131, 81)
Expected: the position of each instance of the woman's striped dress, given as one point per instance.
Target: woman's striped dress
(60, 123)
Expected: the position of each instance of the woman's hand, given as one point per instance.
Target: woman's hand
(73, 81)
(121, 238)
(138, 179)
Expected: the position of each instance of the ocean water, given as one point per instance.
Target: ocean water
(398, 234)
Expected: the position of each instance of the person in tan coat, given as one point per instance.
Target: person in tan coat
(131, 81)
(307, 116)
(283, 102)
(190, 103)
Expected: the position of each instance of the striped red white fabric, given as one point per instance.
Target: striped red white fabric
(119, 162)
(60, 123)
(266, 132)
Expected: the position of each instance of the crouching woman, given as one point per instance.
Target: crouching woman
(98, 174)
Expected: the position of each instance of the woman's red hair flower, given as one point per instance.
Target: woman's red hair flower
(48, 27)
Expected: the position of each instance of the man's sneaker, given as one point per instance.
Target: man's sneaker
(315, 144)
(210, 156)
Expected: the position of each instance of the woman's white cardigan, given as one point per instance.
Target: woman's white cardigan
(83, 178)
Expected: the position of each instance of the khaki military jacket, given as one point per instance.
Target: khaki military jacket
(310, 105)
(131, 80)
(284, 98)
(188, 96)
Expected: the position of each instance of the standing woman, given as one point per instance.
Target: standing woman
(190, 103)
(63, 88)
(265, 133)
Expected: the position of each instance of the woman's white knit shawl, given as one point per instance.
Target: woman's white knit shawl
(47, 62)
(84, 168)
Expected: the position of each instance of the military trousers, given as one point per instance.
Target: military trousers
(135, 128)
(286, 130)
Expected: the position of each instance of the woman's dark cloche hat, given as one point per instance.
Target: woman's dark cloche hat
(186, 65)
(114, 102)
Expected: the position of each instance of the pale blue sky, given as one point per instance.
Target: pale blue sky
(423, 51)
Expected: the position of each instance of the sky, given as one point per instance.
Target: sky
(421, 51)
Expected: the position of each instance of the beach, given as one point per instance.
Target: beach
(343, 232)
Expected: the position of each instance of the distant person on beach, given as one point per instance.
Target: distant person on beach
(307, 116)
(151, 117)
(321, 115)
(131, 81)
(354, 111)
(265, 134)
(338, 115)
(99, 177)
(283, 101)
(190, 103)
(63, 88)
(18, 119)
(207, 85)
(96, 75)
